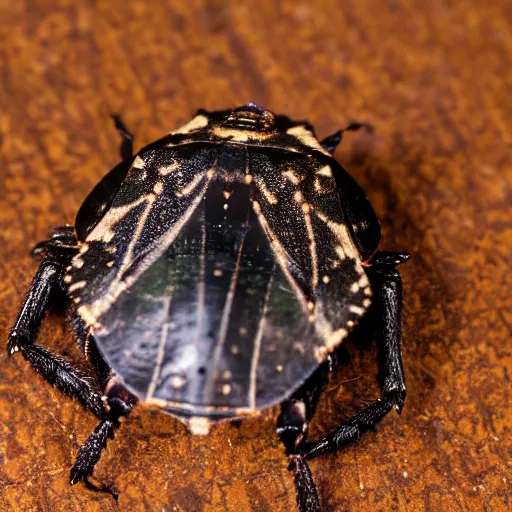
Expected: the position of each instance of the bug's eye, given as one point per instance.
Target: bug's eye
(250, 117)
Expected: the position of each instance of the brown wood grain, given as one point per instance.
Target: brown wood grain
(434, 78)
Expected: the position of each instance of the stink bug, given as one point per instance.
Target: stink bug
(213, 274)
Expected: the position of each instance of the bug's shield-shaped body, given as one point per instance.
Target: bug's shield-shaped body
(224, 270)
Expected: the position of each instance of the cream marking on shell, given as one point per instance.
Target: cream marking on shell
(228, 304)
(190, 187)
(158, 188)
(307, 138)
(68, 279)
(117, 286)
(356, 310)
(83, 249)
(248, 179)
(110, 263)
(291, 176)
(226, 389)
(257, 345)
(312, 245)
(298, 197)
(76, 286)
(167, 169)
(104, 230)
(138, 163)
(196, 123)
(326, 279)
(86, 314)
(77, 262)
(242, 331)
(161, 346)
(267, 194)
(341, 233)
(218, 272)
(366, 303)
(363, 281)
(367, 291)
(354, 287)
(227, 194)
(340, 252)
(239, 135)
(281, 255)
(279, 368)
(334, 339)
(235, 350)
(325, 171)
(319, 189)
(164, 404)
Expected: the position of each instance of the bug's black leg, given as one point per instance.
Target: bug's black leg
(292, 430)
(387, 288)
(331, 142)
(118, 402)
(58, 250)
(126, 148)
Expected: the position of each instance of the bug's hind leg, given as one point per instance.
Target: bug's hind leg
(387, 287)
(90, 452)
(292, 427)
(47, 282)
(117, 403)
(331, 142)
(126, 148)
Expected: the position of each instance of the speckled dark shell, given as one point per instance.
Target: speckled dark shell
(219, 266)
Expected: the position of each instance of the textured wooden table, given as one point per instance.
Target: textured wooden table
(434, 78)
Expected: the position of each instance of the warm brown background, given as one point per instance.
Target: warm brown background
(434, 78)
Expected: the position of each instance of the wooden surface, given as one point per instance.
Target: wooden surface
(434, 78)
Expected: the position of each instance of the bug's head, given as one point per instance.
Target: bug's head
(249, 117)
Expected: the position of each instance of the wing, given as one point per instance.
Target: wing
(159, 194)
(298, 206)
(220, 296)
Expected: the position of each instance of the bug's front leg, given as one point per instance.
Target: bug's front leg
(58, 252)
(387, 287)
(126, 148)
(331, 142)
